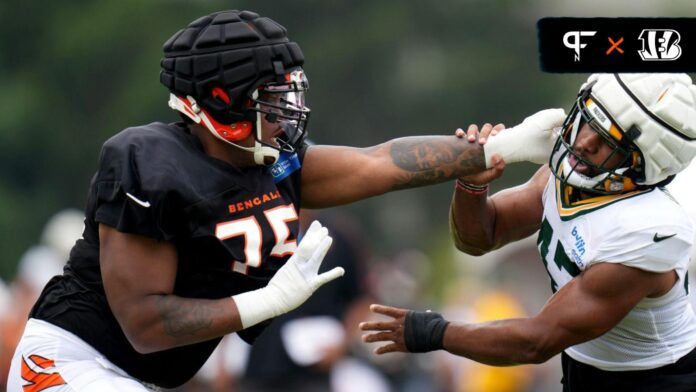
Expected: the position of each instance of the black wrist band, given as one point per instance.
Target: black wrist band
(424, 331)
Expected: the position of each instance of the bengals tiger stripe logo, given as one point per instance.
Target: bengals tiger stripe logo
(38, 381)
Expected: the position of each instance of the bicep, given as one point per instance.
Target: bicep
(134, 267)
(593, 303)
(336, 175)
(518, 210)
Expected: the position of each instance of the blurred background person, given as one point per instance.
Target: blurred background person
(497, 285)
(299, 350)
(403, 278)
(5, 347)
(36, 267)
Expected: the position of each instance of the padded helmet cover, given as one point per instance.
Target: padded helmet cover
(236, 51)
(662, 107)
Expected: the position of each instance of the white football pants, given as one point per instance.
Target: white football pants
(50, 357)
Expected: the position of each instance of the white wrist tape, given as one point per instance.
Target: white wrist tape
(257, 306)
(530, 141)
(293, 283)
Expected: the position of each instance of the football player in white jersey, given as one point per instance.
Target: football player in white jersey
(614, 242)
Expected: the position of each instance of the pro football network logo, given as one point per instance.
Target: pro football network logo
(660, 45)
(617, 44)
(572, 40)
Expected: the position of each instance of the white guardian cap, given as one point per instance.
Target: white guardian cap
(648, 119)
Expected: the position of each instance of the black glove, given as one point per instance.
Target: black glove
(424, 331)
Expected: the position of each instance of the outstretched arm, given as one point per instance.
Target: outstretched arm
(584, 309)
(335, 175)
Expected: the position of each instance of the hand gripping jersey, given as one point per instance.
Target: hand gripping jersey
(644, 229)
(232, 228)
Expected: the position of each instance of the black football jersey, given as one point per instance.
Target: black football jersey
(232, 228)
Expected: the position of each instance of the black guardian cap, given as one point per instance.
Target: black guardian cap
(234, 50)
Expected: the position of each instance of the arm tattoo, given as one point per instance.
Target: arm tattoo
(432, 159)
(181, 317)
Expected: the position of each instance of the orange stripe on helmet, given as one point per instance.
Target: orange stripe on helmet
(615, 133)
(662, 95)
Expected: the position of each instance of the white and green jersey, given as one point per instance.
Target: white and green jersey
(644, 229)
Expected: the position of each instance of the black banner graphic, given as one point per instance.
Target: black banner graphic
(617, 44)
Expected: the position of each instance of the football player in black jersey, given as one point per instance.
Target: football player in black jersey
(191, 228)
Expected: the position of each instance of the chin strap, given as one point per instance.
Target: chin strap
(262, 154)
(606, 181)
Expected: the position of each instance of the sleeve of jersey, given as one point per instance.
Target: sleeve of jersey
(132, 194)
(654, 245)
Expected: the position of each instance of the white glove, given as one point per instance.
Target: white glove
(530, 141)
(293, 283)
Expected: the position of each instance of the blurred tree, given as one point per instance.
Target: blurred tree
(74, 73)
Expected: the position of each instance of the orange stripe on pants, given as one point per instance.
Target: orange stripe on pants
(39, 380)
